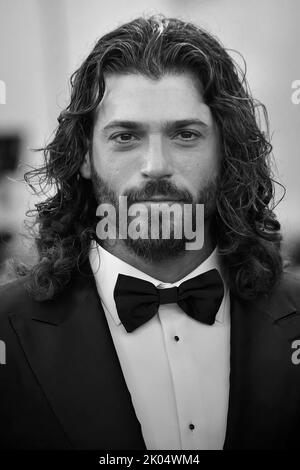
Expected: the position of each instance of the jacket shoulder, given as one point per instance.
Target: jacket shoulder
(290, 286)
(16, 300)
(283, 302)
(14, 297)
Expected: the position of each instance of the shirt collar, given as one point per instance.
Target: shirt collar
(106, 268)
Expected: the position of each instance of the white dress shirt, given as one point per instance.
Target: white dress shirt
(175, 368)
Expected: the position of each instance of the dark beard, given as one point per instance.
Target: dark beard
(159, 249)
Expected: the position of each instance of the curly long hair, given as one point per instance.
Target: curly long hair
(248, 234)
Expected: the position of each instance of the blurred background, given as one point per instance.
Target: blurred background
(42, 42)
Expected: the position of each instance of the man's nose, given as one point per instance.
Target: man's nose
(156, 162)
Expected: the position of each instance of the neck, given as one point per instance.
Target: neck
(168, 270)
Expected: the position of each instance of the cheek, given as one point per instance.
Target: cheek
(207, 161)
(114, 175)
(104, 162)
(197, 170)
(115, 170)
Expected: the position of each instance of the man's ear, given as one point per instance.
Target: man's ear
(85, 169)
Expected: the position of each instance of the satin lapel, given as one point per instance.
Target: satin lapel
(264, 383)
(69, 347)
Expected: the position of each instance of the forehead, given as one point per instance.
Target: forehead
(135, 97)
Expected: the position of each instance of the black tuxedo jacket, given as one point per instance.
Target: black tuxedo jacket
(62, 386)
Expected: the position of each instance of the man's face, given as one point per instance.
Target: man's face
(154, 140)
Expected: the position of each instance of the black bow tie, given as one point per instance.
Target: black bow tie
(137, 301)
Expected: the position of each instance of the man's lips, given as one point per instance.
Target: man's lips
(161, 199)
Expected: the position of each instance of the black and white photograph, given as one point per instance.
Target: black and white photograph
(149, 228)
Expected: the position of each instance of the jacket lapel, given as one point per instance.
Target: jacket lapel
(264, 383)
(69, 346)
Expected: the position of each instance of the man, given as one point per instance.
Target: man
(137, 342)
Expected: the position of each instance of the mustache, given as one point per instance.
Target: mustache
(157, 188)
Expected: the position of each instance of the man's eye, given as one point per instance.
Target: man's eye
(125, 137)
(187, 135)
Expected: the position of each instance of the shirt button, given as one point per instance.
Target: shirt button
(176, 338)
(192, 426)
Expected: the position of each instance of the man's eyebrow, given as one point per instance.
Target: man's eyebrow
(134, 125)
(125, 124)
